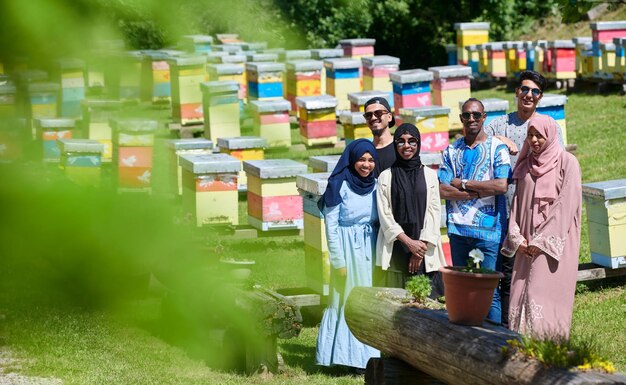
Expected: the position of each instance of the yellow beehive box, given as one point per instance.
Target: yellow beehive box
(243, 148)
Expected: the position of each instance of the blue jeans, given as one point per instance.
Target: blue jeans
(461, 246)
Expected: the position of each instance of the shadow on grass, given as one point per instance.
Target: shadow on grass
(600, 284)
(296, 354)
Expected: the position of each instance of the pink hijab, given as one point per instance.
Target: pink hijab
(542, 166)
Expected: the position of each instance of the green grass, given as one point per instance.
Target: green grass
(64, 316)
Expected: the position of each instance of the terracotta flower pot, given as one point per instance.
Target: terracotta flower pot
(468, 295)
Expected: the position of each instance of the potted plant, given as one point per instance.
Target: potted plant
(469, 290)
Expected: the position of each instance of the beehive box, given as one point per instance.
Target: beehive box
(13, 137)
(48, 130)
(243, 148)
(603, 32)
(620, 61)
(186, 75)
(376, 70)
(521, 60)
(608, 62)
(411, 88)
(210, 194)
(133, 141)
(473, 59)
(494, 107)
(318, 124)
(96, 117)
(200, 44)
(563, 54)
(606, 221)
(497, 60)
(358, 99)
(303, 79)
(123, 75)
(265, 80)
(451, 84)
(8, 101)
(469, 34)
(342, 78)
(230, 48)
(230, 71)
(584, 67)
(220, 104)
(271, 122)
(554, 105)
(451, 54)
(357, 48)
(273, 199)
(254, 45)
(354, 126)
(321, 54)
(42, 101)
(262, 57)
(323, 163)
(316, 263)
(510, 55)
(156, 86)
(543, 58)
(70, 74)
(177, 148)
(81, 160)
(432, 121)
(483, 61)
(529, 47)
(224, 38)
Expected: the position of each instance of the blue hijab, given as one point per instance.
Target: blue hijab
(344, 171)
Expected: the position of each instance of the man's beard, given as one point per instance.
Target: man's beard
(378, 132)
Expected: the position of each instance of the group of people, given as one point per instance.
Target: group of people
(511, 190)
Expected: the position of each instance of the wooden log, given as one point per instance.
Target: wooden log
(591, 271)
(455, 354)
(392, 371)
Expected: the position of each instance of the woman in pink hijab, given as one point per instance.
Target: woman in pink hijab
(544, 234)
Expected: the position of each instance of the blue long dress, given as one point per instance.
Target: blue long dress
(351, 229)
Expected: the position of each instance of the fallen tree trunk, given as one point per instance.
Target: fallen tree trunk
(452, 353)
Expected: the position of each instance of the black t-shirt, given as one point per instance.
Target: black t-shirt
(386, 157)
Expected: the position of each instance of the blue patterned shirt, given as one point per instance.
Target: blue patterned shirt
(481, 218)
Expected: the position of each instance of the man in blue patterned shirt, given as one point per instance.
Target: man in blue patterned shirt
(473, 180)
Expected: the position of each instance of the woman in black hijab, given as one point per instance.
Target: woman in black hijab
(409, 207)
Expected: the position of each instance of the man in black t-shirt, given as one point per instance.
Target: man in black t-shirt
(379, 118)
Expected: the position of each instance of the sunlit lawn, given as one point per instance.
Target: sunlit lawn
(96, 340)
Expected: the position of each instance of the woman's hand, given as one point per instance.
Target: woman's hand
(533, 251)
(414, 263)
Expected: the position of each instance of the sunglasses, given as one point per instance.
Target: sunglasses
(377, 113)
(476, 115)
(410, 142)
(535, 91)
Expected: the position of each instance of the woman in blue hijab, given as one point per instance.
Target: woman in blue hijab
(349, 208)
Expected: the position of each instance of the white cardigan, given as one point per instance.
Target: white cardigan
(390, 229)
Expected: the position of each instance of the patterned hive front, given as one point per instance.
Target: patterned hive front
(411, 88)
(342, 77)
(186, 75)
(177, 148)
(243, 148)
(271, 122)
(133, 141)
(81, 159)
(376, 71)
(451, 85)
(210, 194)
(357, 48)
(316, 263)
(265, 80)
(432, 121)
(318, 123)
(303, 79)
(469, 34)
(354, 126)
(48, 131)
(273, 199)
(96, 117)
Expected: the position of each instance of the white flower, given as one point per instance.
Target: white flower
(477, 256)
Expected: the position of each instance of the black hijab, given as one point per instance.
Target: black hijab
(408, 186)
